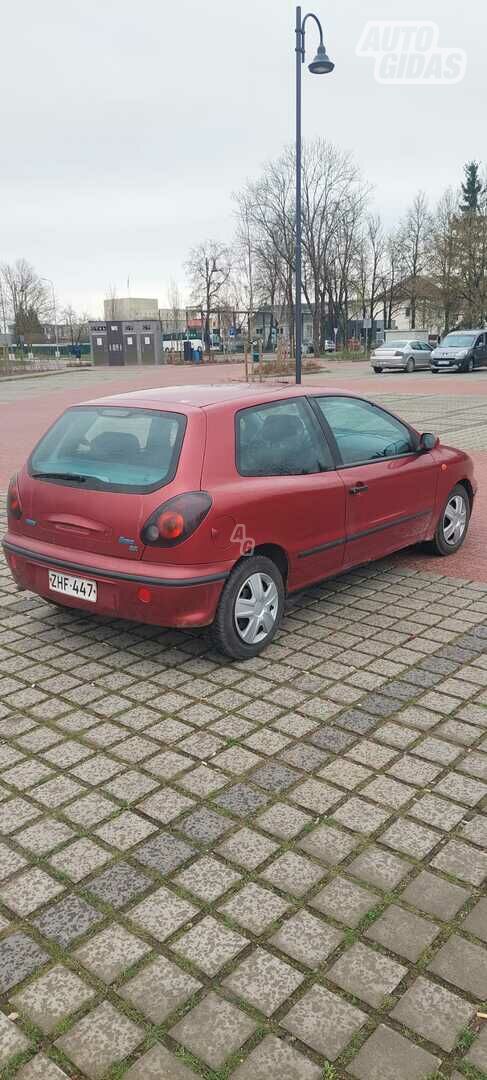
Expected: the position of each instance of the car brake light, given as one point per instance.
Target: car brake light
(398, 352)
(14, 505)
(176, 519)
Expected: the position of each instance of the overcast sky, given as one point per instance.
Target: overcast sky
(126, 126)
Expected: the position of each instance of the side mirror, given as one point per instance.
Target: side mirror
(428, 441)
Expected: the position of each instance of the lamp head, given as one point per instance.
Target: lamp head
(321, 65)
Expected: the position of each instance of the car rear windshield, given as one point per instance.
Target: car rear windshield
(393, 345)
(458, 341)
(111, 449)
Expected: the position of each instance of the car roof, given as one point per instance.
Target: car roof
(200, 397)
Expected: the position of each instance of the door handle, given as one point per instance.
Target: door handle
(358, 489)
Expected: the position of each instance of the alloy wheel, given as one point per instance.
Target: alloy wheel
(455, 520)
(256, 608)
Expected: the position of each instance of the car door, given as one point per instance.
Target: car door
(287, 489)
(481, 351)
(423, 355)
(391, 485)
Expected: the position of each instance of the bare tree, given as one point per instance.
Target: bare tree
(174, 297)
(245, 257)
(27, 297)
(77, 325)
(415, 238)
(208, 268)
(111, 302)
(444, 256)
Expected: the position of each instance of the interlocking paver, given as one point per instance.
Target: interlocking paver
(156, 1064)
(164, 852)
(387, 1055)
(80, 858)
(159, 989)
(241, 799)
(379, 868)
(247, 848)
(410, 838)
(344, 900)
(12, 1040)
(69, 919)
(53, 997)
(366, 973)
(328, 844)
(264, 981)
(207, 878)
(433, 1012)
(254, 908)
(403, 932)
(283, 821)
(361, 816)
(100, 1039)
(477, 1056)
(119, 884)
(435, 895)
(324, 1021)
(307, 939)
(110, 952)
(274, 1059)
(293, 873)
(463, 861)
(476, 921)
(464, 964)
(10, 861)
(214, 1030)
(162, 913)
(20, 956)
(29, 890)
(41, 1068)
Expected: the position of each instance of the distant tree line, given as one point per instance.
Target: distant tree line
(28, 303)
(434, 260)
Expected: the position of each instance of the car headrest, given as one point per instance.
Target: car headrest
(282, 428)
(115, 444)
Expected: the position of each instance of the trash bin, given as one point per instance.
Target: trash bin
(198, 355)
(187, 351)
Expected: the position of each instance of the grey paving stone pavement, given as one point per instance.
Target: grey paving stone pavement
(247, 870)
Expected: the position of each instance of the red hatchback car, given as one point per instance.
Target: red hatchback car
(192, 506)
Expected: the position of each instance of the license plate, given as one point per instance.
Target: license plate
(444, 363)
(73, 586)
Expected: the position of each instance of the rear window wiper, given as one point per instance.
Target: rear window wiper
(77, 477)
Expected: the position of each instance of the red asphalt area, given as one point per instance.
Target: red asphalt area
(23, 421)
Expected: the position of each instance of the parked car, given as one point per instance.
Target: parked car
(191, 506)
(461, 350)
(408, 355)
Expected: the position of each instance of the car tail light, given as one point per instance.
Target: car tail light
(398, 352)
(14, 505)
(176, 519)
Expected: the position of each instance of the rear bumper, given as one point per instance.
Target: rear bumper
(389, 365)
(180, 596)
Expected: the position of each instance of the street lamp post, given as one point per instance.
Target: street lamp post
(321, 65)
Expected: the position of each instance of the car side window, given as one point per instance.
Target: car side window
(280, 439)
(364, 432)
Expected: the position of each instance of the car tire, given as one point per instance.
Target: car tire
(378, 370)
(229, 628)
(469, 366)
(456, 508)
(434, 370)
(410, 366)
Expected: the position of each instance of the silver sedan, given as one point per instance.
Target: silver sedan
(406, 355)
